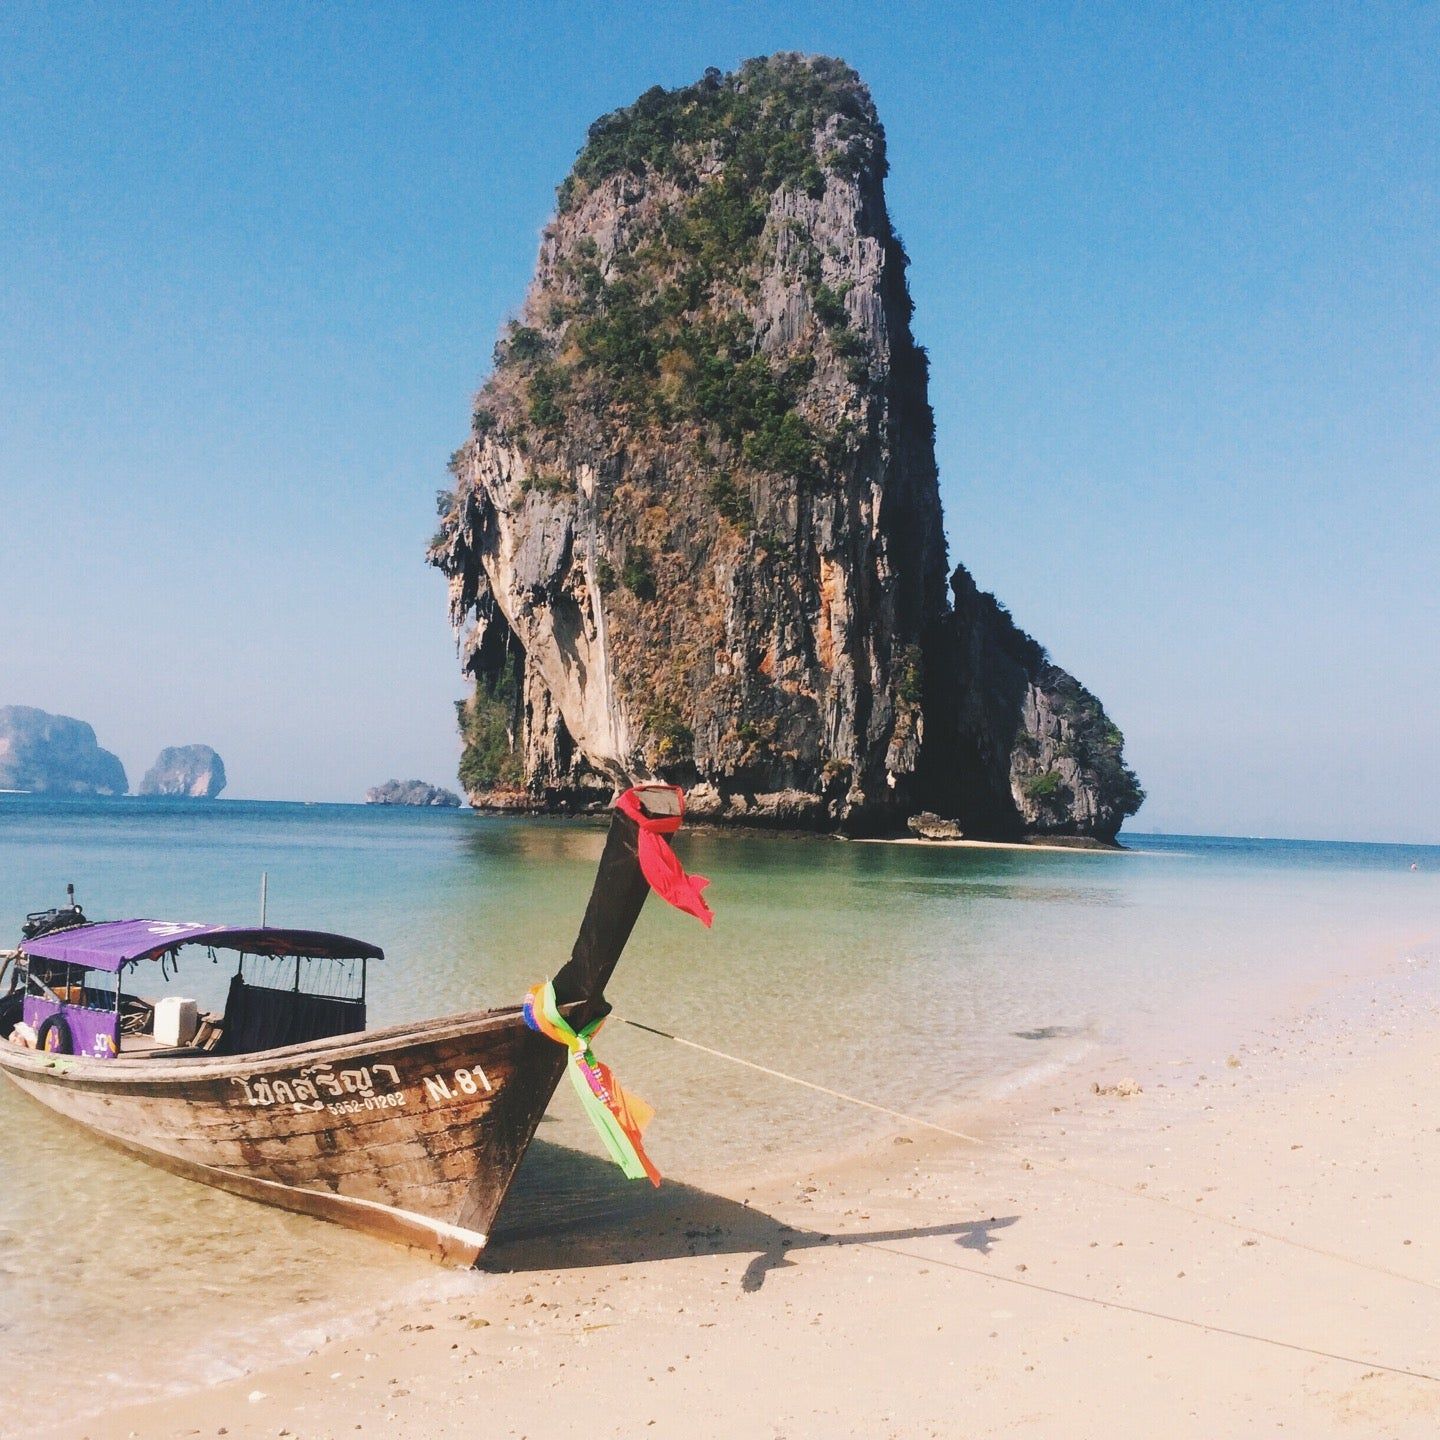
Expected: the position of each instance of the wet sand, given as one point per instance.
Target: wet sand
(1240, 1242)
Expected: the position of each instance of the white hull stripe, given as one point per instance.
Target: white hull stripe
(440, 1228)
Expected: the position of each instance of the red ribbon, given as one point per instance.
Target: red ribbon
(658, 862)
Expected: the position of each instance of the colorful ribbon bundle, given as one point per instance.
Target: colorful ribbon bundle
(619, 1118)
(658, 863)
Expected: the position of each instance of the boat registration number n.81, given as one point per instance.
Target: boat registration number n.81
(463, 1083)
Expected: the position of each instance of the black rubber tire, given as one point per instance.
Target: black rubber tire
(58, 1026)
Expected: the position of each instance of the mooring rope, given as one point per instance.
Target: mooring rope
(1123, 1190)
(1147, 1313)
(1030, 1159)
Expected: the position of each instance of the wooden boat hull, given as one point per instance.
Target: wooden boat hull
(412, 1133)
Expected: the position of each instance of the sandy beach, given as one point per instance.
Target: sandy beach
(1233, 1240)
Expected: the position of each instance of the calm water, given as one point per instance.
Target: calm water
(923, 978)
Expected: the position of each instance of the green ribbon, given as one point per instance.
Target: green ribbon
(607, 1105)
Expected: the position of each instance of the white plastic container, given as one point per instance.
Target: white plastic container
(176, 1020)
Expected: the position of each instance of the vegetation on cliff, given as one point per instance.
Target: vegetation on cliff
(657, 337)
(760, 119)
(489, 759)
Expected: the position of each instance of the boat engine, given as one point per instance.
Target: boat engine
(43, 922)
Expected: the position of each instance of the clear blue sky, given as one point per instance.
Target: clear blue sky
(1176, 268)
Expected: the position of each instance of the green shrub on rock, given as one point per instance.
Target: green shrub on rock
(488, 760)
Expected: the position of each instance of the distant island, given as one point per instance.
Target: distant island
(411, 792)
(48, 754)
(195, 771)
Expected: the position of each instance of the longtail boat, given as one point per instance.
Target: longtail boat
(412, 1132)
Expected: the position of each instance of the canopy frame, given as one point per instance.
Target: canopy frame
(113, 944)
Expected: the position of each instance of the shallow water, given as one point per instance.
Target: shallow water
(921, 978)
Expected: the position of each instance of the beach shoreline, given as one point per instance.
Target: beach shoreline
(1144, 1238)
(1044, 846)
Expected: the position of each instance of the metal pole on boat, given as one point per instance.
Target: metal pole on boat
(264, 895)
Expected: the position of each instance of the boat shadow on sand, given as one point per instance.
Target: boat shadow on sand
(570, 1210)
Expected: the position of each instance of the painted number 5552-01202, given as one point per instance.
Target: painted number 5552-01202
(464, 1082)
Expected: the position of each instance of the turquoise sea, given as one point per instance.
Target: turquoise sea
(923, 978)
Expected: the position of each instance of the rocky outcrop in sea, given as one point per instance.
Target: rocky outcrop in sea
(411, 792)
(195, 771)
(55, 755)
(695, 529)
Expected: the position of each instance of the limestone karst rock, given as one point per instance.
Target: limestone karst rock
(412, 792)
(927, 825)
(195, 771)
(55, 755)
(695, 530)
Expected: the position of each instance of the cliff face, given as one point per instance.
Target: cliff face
(1016, 746)
(195, 771)
(55, 755)
(696, 531)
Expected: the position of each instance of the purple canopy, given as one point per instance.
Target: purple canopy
(113, 943)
